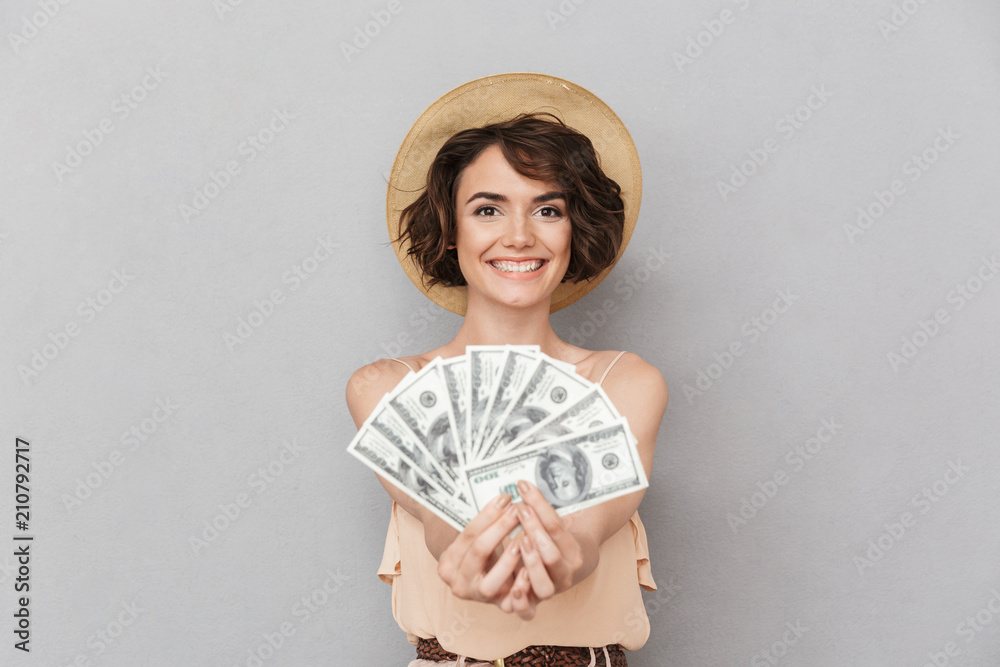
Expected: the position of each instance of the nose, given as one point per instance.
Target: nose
(518, 231)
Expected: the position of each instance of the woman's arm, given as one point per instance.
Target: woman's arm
(467, 560)
(365, 389)
(560, 552)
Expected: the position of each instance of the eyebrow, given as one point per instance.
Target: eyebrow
(493, 196)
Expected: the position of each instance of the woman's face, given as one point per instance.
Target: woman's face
(513, 233)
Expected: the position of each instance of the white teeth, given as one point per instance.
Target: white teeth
(517, 267)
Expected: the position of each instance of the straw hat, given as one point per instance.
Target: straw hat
(497, 98)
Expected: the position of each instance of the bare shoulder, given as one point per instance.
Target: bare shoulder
(638, 390)
(633, 376)
(369, 384)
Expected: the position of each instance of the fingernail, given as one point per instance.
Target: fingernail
(528, 546)
(502, 500)
(512, 510)
(523, 487)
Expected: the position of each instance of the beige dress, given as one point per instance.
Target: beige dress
(605, 608)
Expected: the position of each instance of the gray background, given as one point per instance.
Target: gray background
(113, 552)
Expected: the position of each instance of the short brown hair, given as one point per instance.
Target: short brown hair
(541, 147)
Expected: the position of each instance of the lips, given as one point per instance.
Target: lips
(518, 266)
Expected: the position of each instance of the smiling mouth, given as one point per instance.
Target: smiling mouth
(518, 267)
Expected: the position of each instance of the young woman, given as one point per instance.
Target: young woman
(515, 214)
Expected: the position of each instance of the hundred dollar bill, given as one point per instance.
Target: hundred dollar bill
(485, 362)
(572, 472)
(516, 371)
(421, 399)
(390, 425)
(548, 391)
(379, 454)
(455, 373)
(592, 410)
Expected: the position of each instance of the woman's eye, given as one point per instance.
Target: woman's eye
(550, 212)
(486, 210)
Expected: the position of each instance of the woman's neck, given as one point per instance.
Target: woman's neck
(489, 323)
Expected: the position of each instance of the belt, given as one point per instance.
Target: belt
(533, 656)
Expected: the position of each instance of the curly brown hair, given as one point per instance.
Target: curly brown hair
(541, 147)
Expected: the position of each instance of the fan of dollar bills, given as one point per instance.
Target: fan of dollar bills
(462, 430)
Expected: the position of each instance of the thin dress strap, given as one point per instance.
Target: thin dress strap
(608, 369)
(404, 363)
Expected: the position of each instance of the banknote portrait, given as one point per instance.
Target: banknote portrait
(442, 442)
(563, 474)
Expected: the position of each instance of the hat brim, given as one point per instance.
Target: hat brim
(497, 98)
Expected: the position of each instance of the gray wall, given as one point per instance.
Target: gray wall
(839, 475)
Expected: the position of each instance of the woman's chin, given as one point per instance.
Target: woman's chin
(517, 299)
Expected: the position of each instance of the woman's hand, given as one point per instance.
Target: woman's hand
(470, 566)
(548, 558)
(521, 599)
(555, 558)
